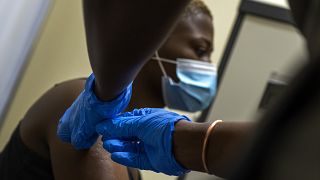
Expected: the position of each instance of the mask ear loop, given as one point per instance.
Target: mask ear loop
(160, 64)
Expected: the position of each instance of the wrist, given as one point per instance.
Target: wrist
(187, 144)
(103, 94)
(109, 108)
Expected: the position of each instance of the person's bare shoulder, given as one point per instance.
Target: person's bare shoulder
(38, 132)
(45, 113)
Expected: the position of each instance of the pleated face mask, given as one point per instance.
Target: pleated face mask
(196, 87)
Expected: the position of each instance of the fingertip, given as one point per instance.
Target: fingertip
(64, 137)
(107, 146)
(134, 160)
(80, 141)
(121, 158)
(100, 128)
(117, 145)
(63, 132)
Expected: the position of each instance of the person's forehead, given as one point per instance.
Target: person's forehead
(199, 23)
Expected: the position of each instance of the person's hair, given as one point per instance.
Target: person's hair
(195, 7)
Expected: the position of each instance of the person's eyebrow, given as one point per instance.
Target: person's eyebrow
(208, 43)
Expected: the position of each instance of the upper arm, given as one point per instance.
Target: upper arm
(67, 163)
(123, 35)
(91, 164)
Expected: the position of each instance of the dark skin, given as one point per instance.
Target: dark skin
(130, 40)
(106, 45)
(38, 132)
(225, 144)
(192, 38)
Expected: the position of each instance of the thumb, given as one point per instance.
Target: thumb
(119, 127)
(134, 160)
(63, 130)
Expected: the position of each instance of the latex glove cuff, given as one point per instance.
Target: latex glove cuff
(106, 109)
(77, 125)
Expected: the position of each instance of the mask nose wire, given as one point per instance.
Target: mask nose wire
(160, 64)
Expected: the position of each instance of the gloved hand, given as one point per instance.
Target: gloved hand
(143, 139)
(78, 124)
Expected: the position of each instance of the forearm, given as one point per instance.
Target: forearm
(187, 144)
(225, 142)
(123, 35)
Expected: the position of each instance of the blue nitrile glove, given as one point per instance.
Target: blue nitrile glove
(143, 139)
(78, 124)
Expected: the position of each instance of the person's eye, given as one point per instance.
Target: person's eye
(200, 51)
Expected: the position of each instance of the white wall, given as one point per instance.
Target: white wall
(263, 47)
(59, 55)
(224, 12)
(280, 3)
(21, 21)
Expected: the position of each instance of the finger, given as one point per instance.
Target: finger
(63, 130)
(104, 138)
(106, 128)
(136, 112)
(119, 127)
(81, 141)
(116, 145)
(134, 160)
(125, 125)
(111, 127)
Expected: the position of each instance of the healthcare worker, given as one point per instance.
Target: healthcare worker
(35, 152)
(163, 141)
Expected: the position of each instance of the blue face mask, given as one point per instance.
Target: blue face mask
(196, 87)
